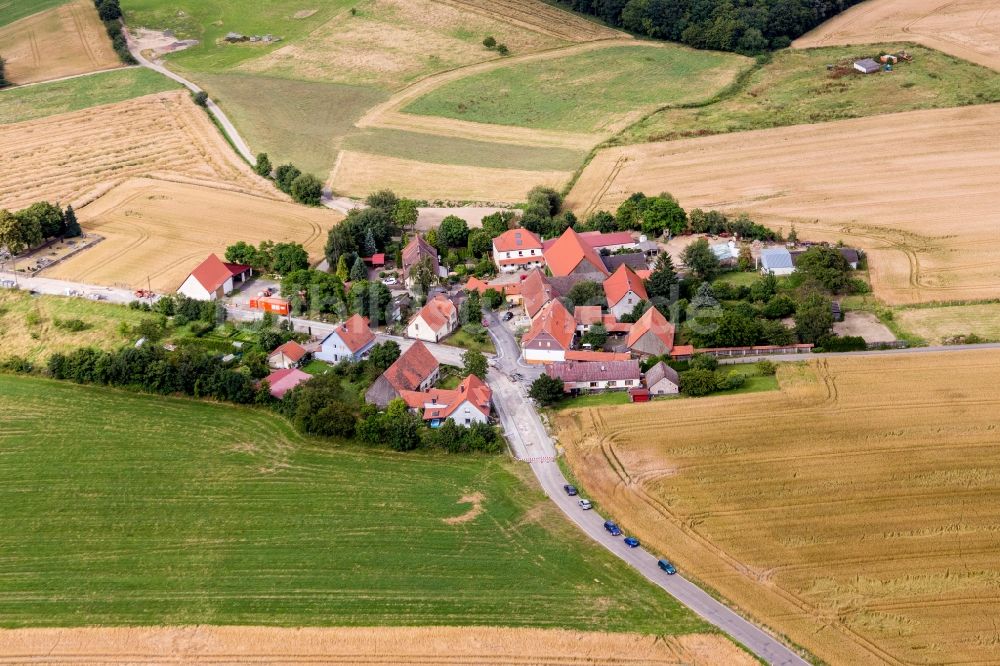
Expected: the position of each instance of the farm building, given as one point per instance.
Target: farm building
(288, 355)
(536, 291)
(867, 66)
(470, 403)
(416, 369)
(661, 379)
(682, 352)
(726, 253)
(624, 290)
(550, 336)
(349, 341)
(592, 376)
(776, 260)
(851, 256)
(213, 279)
(586, 316)
(651, 335)
(634, 260)
(517, 250)
(570, 254)
(415, 250)
(284, 380)
(436, 320)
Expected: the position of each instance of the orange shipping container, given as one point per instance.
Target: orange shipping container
(278, 306)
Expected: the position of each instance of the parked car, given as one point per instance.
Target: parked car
(612, 528)
(631, 542)
(585, 504)
(667, 566)
(570, 490)
(389, 281)
(507, 316)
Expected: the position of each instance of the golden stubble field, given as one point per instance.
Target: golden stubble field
(377, 646)
(968, 29)
(63, 41)
(160, 230)
(919, 191)
(854, 511)
(75, 157)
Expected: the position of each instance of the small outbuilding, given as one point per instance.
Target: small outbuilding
(661, 379)
(867, 66)
(776, 260)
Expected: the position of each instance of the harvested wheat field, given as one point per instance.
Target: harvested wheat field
(539, 16)
(75, 157)
(919, 191)
(357, 174)
(938, 325)
(161, 230)
(381, 645)
(854, 511)
(968, 29)
(63, 41)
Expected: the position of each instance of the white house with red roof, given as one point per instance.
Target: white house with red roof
(288, 355)
(469, 403)
(436, 320)
(213, 279)
(349, 341)
(651, 335)
(517, 250)
(550, 336)
(571, 255)
(624, 290)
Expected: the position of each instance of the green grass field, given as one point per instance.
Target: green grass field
(15, 10)
(209, 20)
(462, 338)
(298, 121)
(796, 88)
(125, 509)
(583, 92)
(49, 99)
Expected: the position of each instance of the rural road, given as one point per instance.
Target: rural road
(241, 146)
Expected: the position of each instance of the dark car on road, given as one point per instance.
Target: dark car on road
(570, 490)
(507, 316)
(631, 542)
(667, 566)
(612, 528)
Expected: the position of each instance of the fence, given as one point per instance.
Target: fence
(763, 350)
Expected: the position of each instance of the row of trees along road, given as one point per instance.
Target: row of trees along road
(30, 227)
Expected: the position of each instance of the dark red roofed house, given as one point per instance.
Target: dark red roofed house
(349, 341)
(571, 255)
(416, 369)
(284, 380)
(651, 335)
(288, 355)
(517, 250)
(624, 291)
(550, 336)
(470, 403)
(213, 279)
(589, 376)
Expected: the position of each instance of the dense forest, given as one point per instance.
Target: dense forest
(744, 26)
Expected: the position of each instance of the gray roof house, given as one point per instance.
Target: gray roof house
(777, 260)
(661, 379)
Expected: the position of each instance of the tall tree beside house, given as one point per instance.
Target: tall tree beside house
(661, 214)
(340, 242)
(381, 356)
(358, 270)
(368, 246)
(71, 228)
(471, 311)
(825, 265)
(400, 427)
(370, 299)
(384, 200)
(263, 166)
(405, 215)
(453, 232)
(289, 257)
(474, 363)
(587, 292)
(813, 318)
(496, 223)
(547, 390)
(596, 337)
(480, 244)
(342, 271)
(662, 282)
(422, 275)
(698, 256)
(242, 252)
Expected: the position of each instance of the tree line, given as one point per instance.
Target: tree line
(744, 26)
(30, 227)
(110, 12)
(304, 188)
(3, 73)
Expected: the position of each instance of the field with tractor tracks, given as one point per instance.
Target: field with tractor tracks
(62, 41)
(853, 510)
(918, 191)
(968, 29)
(156, 231)
(75, 157)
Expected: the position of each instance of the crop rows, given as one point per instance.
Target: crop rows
(540, 17)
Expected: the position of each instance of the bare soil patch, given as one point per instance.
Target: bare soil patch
(919, 191)
(63, 41)
(75, 157)
(377, 645)
(158, 231)
(853, 511)
(476, 500)
(303, 13)
(864, 325)
(357, 174)
(968, 29)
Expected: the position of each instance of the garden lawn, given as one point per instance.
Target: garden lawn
(586, 92)
(48, 99)
(796, 88)
(126, 509)
(462, 338)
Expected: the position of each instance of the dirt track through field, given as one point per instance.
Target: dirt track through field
(919, 191)
(853, 511)
(376, 646)
(968, 29)
(75, 157)
(158, 231)
(63, 41)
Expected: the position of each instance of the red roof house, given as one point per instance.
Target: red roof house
(624, 291)
(416, 369)
(349, 341)
(551, 334)
(517, 249)
(469, 403)
(436, 320)
(570, 255)
(536, 291)
(288, 355)
(652, 334)
(284, 380)
(213, 279)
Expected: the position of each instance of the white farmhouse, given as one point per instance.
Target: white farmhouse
(517, 250)
(350, 341)
(213, 279)
(435, 321)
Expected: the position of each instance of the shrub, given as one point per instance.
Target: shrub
(200, 98)
(489, 42)
(71, 325)
(766, 368)
(698, 382)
